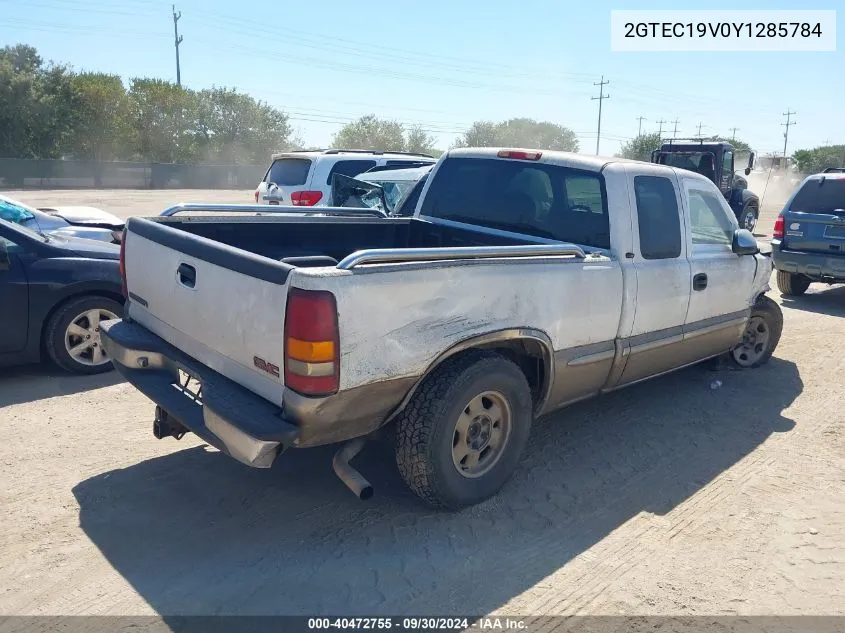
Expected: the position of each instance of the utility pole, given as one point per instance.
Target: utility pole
(177, 40)
(675, 133)
(640, 128)
(733, 133)
(660, 129)
(601, 84)
(699, 130)
(788, 114)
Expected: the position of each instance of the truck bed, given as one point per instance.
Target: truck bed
(316, 238)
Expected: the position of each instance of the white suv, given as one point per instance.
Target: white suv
(305, 178)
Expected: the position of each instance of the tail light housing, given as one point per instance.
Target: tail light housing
(123, 265)
(519, 154)
(312, 343)
(257, 194)
(305, 198)
(778, 230)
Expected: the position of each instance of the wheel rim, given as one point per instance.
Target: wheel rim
(750, 221)
(754, 343)
(481, 433)
(82, 337)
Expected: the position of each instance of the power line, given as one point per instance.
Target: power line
(660, 130)
(675, 132)
(601, 84)
(733, 133)
(177, 40)
(788, 114)
(640, 126)
(699, 129)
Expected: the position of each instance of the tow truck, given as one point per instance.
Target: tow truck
(714, 161)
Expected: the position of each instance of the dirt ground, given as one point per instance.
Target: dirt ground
(667, 498)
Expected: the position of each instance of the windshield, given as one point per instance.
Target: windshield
(14, 212)
(699, 162)
(548, 201)
(820, 196)
(23, 230)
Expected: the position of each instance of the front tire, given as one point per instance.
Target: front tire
(748, 218)
(72, 336)
(761, 336)
(792, 285)
(462, 434)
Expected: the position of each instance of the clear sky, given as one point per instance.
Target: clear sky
(444, 64)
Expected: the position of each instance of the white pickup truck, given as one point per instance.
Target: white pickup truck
(523, 281)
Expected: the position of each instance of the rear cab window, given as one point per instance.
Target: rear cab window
(820, 196)
(537, 199)
(288, 172)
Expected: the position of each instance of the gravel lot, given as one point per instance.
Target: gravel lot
(664, 498)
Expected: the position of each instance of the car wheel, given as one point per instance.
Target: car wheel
(761, 336)
(72, 337)
(748, 218)
(462, 434)
(792, 285)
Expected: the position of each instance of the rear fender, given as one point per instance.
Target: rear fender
(520, 344)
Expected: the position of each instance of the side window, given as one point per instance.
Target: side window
(658, 217)
(709, 222)
(350, 168)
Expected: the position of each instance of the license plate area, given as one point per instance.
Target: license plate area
(836, 231)
(189, 385)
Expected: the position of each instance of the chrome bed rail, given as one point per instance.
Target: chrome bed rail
(397, 255)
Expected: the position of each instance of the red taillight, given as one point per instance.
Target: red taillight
(509, 153)
(778, 230)
(257, 194)
(123, 264)
(312, 343)
(305, 198)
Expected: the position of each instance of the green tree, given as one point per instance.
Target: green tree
(102, 126)
(370, 132)
(419, 141)
(520, 132)
(235, 128)
(164, 116)
(813, 161)
(641, 147)
(36, 104)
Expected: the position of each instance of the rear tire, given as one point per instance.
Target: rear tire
(761, 335)
(791, 284)
(72, 336)
(464, 431)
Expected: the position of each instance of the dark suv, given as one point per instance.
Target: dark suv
(808, 242)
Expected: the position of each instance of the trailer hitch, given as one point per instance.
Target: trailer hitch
(164, 425)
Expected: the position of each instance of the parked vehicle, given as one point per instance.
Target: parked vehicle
(55, 291)
(524, 281)
(380, 188)
(86, 222)
(808, 241)
(715, 161)
(305, 178)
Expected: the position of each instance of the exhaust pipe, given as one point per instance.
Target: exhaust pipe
(354, 480)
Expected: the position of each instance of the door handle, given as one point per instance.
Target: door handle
(699, 281)
(187, 275)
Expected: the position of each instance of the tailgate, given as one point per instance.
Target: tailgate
(814, 232)
(221, 305)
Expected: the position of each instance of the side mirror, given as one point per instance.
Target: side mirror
(744, 243)
(750, 163)
(654, 155)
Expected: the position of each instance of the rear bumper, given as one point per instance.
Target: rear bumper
(815, 265)
(229, 417)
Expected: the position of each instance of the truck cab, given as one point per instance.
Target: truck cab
(716, 162)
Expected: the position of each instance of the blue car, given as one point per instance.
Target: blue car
(808, 244)
(69, 221)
